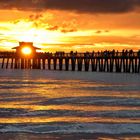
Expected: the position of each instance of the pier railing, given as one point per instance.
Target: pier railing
(95, 61)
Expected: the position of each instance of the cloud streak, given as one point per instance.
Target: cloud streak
(84, 6)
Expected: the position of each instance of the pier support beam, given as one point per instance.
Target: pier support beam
(80, 63)
(73, 63)
(43, 62)
(94, 64)
(2, 66)
(49, 63)
(54, 63)
(7, 63)
(12, 60)
(60, 63)
(86, 60)
(67, 63)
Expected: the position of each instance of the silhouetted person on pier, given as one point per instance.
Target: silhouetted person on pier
(123, 53)
(105, 53)
(113, 52)
(126, 53)
(131, 53)
(93, 54)
(138, 53)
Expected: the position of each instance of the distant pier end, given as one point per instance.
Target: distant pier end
(26, 50)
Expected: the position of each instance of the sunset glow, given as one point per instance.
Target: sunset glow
(77, 28)
(26, 51)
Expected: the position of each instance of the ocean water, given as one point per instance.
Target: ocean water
(42, 104)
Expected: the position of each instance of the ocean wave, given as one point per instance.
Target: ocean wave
(68, 128)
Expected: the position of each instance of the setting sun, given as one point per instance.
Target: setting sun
(26, 50)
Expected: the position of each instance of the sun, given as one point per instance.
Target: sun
(26, 50)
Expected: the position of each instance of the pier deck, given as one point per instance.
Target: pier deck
(100, 61)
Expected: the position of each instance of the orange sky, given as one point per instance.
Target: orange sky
(59, 29)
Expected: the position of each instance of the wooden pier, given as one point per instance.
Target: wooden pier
(127, 62)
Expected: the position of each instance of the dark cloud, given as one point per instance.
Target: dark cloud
(98, 32)
(61, 29)
(35, 17)
(53, 28)
(68, 30)
(90, 6)
(102, 31)
(94, 6)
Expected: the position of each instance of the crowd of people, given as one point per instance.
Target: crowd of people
(101, 53)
